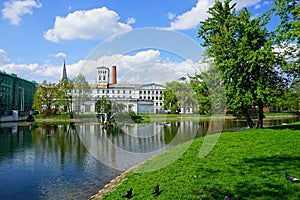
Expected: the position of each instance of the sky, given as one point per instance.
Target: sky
(148, 41)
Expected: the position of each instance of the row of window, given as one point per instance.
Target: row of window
(103, 78)
(124, 92)
(149, 92)
(113, 91)
(149, 98)
(102, 72)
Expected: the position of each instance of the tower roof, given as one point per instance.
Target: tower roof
(64, 75)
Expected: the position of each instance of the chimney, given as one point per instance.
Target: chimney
(114, 75)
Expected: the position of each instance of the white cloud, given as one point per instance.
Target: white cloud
(258, 6)
(59, 55)
(14, 10)
(264, 3)
(91, 24)
(130, 20)
(142, 67)
(192, 18)
(171, 16)
(3, 58)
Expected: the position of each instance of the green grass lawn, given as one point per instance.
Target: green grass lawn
(246, 164)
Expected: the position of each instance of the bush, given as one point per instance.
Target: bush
(49, 112)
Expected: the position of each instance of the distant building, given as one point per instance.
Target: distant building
(140, 98)
(16, 93)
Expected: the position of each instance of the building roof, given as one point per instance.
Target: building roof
(16, 76)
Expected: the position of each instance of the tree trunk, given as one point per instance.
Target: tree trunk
(248, 118)
(260, 114)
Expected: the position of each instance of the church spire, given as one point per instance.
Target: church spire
(64, 75)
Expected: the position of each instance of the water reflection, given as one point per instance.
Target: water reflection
(48, 162)
(74, 161)
(125, 145)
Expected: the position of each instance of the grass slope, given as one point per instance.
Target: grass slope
(246, 164)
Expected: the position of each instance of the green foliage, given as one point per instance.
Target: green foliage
(104, 106)
(178, 95)
(288, 35)
(209, 90)
(243, 54)
(246, 164)
(45, 96)
(81, 90)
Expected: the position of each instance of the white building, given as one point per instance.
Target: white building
(140, 98)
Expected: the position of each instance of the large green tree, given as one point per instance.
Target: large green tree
(209, 90)
(288, 41)
(242, 52)
(81, 91)
(63, 96)
(288, 30)
(45, 96)
(179, 95)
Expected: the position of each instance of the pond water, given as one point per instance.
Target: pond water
(74, 161)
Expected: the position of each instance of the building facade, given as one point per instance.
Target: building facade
(140, 98)
(16, 93)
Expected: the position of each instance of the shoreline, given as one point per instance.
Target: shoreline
(153, 119)
(114, 183)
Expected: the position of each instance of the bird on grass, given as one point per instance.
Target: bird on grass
(127, 194)
(156, 190)
(291, 178)
(228, 197)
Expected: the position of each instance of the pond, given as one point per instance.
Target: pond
(74, 161)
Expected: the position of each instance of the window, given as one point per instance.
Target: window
(123, 91)
(87, 108)
(141, 92)
(148, 92)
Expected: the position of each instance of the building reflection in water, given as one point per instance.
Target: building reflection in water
(122, 146)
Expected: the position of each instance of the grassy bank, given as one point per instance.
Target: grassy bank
(247, 164)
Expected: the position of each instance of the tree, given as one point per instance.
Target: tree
(288, 39)
(242, 52)
(288, 35)
(177, 96)
(81, 90)
(64, 98)
(209, 90)
(104, 106)
(45, 96)
(170, 100)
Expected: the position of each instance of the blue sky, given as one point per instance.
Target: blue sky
(38, 35)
